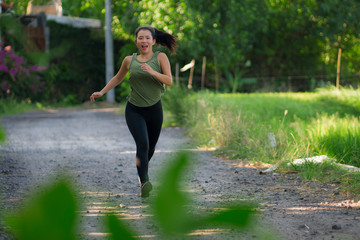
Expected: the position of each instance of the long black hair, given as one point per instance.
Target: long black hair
(162, 38)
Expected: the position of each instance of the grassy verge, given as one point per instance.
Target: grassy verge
(11, 106)
(325, 122)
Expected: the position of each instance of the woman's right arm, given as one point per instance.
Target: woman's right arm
(116, 80)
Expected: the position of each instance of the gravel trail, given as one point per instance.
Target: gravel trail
(95, 147)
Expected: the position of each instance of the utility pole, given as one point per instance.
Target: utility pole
(109, 55)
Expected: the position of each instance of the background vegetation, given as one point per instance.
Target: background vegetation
(262, 45)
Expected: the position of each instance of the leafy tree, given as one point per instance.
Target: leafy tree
(84, 8)
(338, 25)
(288, 46)
(267, 40)
(203, 28)
(20, 6)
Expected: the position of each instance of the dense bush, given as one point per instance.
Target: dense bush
(18, 79)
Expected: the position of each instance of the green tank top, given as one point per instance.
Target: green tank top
(146, 90)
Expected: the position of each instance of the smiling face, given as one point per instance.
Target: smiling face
(145, 41)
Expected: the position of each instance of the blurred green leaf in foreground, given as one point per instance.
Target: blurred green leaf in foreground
(53, 212)
(172, 205)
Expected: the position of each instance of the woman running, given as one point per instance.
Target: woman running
(149, 71)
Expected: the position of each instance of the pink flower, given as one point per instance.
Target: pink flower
(3, 67)
(12, 73)
(26, 71)
(16, 70)
(34, 68)
(37, 68)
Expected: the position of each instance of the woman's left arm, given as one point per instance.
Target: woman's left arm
(164, 77)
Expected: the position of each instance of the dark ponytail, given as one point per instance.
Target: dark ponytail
(162, 38)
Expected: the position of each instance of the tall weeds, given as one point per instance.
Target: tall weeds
(304, 124)
(337, 137)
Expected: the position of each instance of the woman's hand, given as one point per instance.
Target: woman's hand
(95, 95)
(164, 77)
(146, 68)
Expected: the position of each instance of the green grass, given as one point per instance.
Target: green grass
(337, 137)
(11, 106)
(2, 134)
(325, 122)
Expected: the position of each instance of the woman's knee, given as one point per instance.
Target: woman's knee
(142, 146)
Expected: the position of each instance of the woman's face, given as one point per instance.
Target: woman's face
(144, 41)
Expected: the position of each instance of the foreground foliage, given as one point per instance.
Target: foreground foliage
(53, 212)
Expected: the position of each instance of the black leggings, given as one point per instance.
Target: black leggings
(145, 126)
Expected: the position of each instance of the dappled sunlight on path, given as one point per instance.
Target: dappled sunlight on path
(95, 148)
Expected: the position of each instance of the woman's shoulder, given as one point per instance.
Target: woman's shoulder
(127, 61)
(162, 56)
(159, 53)
(129, 57)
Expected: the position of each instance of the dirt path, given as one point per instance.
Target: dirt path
(95, 146)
